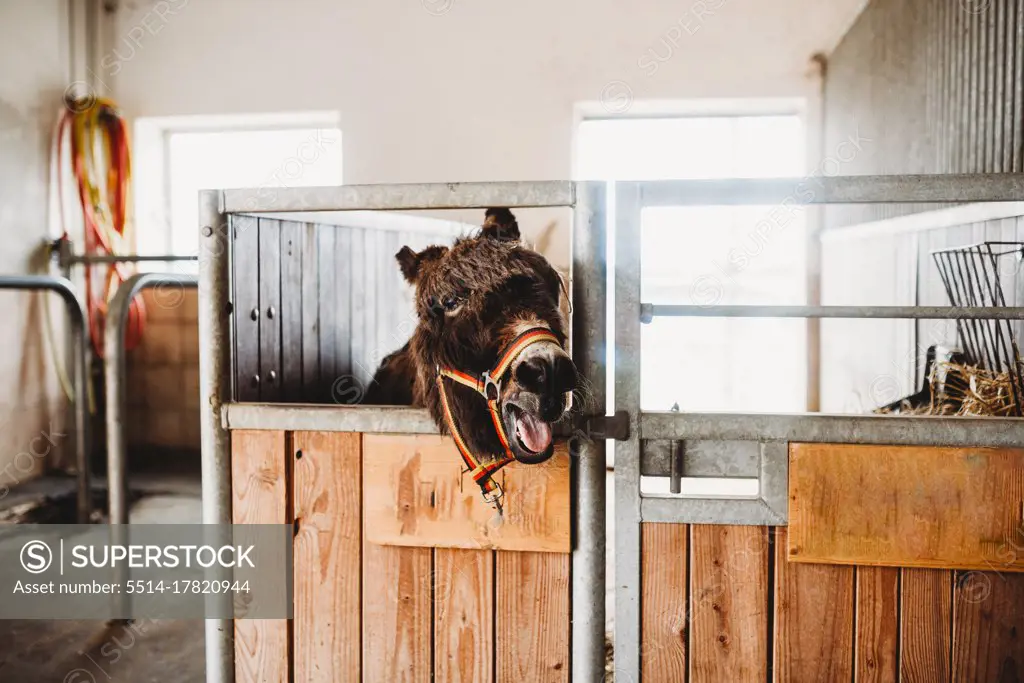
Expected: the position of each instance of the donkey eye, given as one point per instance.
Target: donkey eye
(451, 303)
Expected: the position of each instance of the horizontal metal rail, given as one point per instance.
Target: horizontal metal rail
(862, 189)
(1004, 187)
(76, 313)
(408, 196)
(650, 311)
(328, 418)
(925, 430)
(76, 259)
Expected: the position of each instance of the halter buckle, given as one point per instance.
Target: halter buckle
(494, 497)
(489, 382)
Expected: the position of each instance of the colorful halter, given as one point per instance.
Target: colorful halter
(488, 385)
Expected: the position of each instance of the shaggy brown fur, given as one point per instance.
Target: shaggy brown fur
(471, 300)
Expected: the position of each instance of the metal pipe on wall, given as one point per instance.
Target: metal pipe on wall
(589, 352)
(214, 384)
(76, 312)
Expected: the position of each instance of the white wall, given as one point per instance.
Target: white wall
(448, 90)
(34, 72)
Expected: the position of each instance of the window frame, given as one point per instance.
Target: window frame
(151, 161)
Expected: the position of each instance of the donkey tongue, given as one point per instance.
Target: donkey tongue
(533, 433)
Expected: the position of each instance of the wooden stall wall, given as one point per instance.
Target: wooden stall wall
(441, 597)
(850, 591)
(317, 306)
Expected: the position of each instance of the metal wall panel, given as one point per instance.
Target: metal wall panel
(936, 86)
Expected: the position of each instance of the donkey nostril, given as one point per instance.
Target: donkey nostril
(532, 374)
(564, 374)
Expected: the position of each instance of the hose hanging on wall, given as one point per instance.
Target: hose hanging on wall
(101, 163)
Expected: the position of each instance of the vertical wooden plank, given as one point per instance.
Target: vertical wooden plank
(729, 597)
(259, 496)
(361, 354)
(813, 619)
(343, 257)
(532, 625)
(988, 626)
(877, 635)
(328, 311)
(663, 602)
(925, 605)
(270, 310)
(310, 315)
(397, 585)
(291, 311)
(328, 553)
(245, 260)
(463, 615)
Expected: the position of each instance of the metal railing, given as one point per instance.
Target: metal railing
(76, 314)
(115, 372)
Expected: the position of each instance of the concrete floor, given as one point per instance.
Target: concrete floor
(168, 651)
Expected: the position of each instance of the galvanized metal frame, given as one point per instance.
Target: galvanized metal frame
(115, 372)
(771, 432)
(630, 198)
(64, 288)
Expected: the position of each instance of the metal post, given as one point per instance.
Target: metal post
(589, 350)
(214, 324)
(115, 371)
(76, 313)
(627, 453)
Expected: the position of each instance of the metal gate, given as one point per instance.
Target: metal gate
(661, 543)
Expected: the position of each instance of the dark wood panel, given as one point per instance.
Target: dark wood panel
(270, 310)
(327, 267)
(310, 314)
(291, 311)
(245, 259)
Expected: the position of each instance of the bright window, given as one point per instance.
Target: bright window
(715, 254)
(178, 157)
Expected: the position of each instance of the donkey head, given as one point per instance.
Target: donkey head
(472, 301)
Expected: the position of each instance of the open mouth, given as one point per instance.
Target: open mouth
(532, 438)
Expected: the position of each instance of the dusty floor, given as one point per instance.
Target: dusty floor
(90, 652)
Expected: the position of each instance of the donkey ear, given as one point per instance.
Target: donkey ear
(500, 224)
(411, 263)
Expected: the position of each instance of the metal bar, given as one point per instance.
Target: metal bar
(328, 418)
(126, 258)
(701, 459)
(589, 279)
(627, 453)
(965, 432)
(76, 313)
(214, 382)
(860, 189)
(401, 197)
(115, 371)
(650, 311)
(739, 511)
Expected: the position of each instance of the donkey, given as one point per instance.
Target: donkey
(488, 325)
